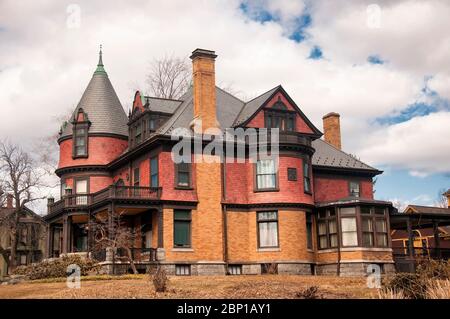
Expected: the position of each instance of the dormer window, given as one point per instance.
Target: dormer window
(80, 135)
(278, 116)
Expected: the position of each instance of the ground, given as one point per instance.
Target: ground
(263, 286)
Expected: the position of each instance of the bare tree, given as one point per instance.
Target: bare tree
(441, 199)
(115, 235)
(21, 178)
(169, 77)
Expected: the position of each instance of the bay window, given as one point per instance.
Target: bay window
(266, 174)
(327, 229)
(267, 229)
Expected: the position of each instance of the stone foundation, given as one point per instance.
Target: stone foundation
(358, 269)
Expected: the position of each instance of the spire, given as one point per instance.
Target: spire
(100, 69)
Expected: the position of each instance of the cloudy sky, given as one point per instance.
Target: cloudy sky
(383, 65)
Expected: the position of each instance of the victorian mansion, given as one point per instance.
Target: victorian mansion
(311, 210)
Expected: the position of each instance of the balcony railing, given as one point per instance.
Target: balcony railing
(108, 193)
(137, 254)
(404, 262)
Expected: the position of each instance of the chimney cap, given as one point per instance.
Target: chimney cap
(331, 114)
(203, 53)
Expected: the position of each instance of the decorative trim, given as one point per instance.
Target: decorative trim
(94, 134)
(81, 168)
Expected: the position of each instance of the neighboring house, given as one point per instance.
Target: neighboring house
(424, 237)
(310, 211)
(31, 237)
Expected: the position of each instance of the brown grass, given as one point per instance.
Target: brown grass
(264, 286)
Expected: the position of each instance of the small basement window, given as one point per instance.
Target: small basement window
(269, 269)
(183, 270)
(235, 269)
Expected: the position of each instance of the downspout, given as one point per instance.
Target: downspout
(224, 217)
(338, 229)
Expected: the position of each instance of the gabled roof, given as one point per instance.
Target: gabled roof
(418, 209)
(327, 155)
(102, 106)
(162, 105)
(251, 108)
(227, 106)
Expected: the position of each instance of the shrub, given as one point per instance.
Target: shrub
(310, 293)
(57, 268)
(160, 280)
(438, 289)
(434, 269)
(411, 286)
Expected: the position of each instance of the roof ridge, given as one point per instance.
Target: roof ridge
(233, 96)
(275, 87)
(162, 98)
(176, 116)
(341, 151)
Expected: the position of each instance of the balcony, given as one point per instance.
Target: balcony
(113, 192)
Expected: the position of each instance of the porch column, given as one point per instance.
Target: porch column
(90, 233)
(410, 245)
(67, 230)
(437, 240)
(160, 252)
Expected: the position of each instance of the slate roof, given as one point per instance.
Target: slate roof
(102, 106)
(329, 156)
(427, 209)
(162, 105)
(252, 106)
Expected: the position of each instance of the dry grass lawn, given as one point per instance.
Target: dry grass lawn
(266, 286)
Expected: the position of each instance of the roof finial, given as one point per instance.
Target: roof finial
(100, 68)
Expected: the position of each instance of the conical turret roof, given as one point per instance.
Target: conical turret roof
(102, 106)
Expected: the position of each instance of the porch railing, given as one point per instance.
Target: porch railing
(404, 262)
(108, 193)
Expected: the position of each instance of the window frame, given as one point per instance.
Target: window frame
(177, 177)
(309, 220)
(307, 179)
(327, 219)
(280, 116)
(137, 168)
(276, 220)
(350, 188)
(186, 220)
(80, 126)
(154, 158)
(81, 200)
(256, 187)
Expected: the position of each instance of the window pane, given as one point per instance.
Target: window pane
(309, 241)
(81, 187)
(305, 169)
(382, 240)
(154, 165)
(266, 181)
(333, 240)
(332, 226)
(379, 210)
(381, 226)
(154, 181)
(268, 235)
(354, 189)
(266, 167)
(267, 216)
(323, 242)
(307, 184)
(80, 150)
(365, 210)
(181, 233)
(348, 224)
(367, 224)
(182, 214)
(367, 239)
(322, 228)
(349, 239)
(348, 210)
(183, 179)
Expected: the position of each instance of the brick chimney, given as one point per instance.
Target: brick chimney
(204, 88)
(332, 129)
(9, 201)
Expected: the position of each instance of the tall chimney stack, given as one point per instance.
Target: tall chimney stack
(9, 201)
(332, 129)
(204, 88)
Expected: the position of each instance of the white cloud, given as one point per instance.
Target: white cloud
(45, 66)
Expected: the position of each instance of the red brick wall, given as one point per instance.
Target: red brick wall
(240, 184)
(333, 188)
(258, 120)
(102, 150)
